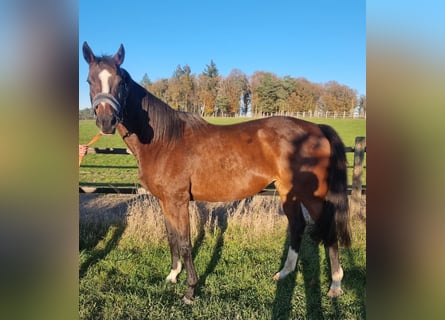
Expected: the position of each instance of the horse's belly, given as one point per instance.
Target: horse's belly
(227, 188)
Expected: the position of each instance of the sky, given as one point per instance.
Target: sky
(320, 40)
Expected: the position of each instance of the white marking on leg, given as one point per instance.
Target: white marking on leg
(335, 288)
(338, 275)
(336, 279)
(289, 265)
(174, 273)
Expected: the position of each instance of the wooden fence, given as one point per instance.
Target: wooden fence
(356, 189)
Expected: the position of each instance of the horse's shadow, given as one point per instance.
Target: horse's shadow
(219, 217)
(100, 229)
(309, 266)
(309, 260)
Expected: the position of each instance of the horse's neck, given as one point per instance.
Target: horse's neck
(131, 139)
(135, 129)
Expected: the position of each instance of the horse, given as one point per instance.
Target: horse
(181, 158)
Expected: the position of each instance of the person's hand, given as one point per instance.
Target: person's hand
(83, 150)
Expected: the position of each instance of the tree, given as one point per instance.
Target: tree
(145, 82)
(263, 92)
(207, 89)
(222, 103)
(266, 92)
(86, 114)
(338, 98)
(254, 83)
(236, 88)
(362, 105)
(180, 88)
(160, 89)
(211, 71)
(308, 94)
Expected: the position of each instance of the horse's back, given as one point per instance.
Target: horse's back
(235, 161)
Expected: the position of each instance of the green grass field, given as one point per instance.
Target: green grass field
(121, 170)
(237, 248)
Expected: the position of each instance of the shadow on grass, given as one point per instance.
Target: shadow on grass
(219, 215)
(101, 226)
(354, 282)
(309, 262)
(282, 304)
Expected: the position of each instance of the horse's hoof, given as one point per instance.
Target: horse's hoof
(187, 301)
(172, 280)
(333, 293)
(276, 277)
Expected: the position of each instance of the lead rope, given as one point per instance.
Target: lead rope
(95, 138)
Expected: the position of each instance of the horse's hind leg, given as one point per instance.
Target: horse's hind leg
(324, 217)
(294, 214)
(336, 271)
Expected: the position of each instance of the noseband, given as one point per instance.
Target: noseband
(107, 98)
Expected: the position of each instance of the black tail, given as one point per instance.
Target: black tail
(337, 197)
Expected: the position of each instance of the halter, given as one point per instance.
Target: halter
(107, 98)
(111, 100)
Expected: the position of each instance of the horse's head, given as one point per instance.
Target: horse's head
(108, 87)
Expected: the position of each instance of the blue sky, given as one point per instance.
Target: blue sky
(320, 40)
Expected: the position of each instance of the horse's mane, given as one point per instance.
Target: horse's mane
(168, 125)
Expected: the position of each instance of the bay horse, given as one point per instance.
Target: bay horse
(181, 158)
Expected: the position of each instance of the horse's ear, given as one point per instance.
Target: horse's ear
(119, 56)
(87, 53)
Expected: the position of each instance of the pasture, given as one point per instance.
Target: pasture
(237, 248)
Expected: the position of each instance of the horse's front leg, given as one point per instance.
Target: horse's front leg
(177, 220)
(176, 265)
(336, 271)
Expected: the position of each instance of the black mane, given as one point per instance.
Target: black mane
(167, 124)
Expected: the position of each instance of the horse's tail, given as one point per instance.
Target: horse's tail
(337, 198)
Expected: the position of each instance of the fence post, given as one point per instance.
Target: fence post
(356, 193)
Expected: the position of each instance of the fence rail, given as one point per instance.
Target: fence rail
(300, 114)
(355, 190)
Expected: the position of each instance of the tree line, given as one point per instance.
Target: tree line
(263, 93)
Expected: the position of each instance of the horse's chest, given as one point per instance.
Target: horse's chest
(155, 179)
(148, 179)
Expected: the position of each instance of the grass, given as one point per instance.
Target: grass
(237, 247)
(121, 170)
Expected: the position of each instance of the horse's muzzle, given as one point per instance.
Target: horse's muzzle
(107, 123)
(109, 115)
